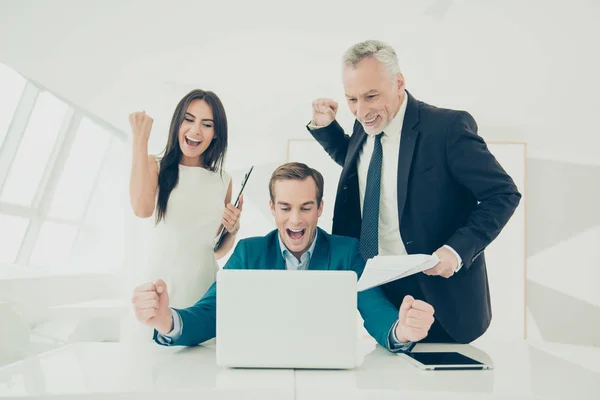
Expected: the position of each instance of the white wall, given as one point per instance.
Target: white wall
(527, 71)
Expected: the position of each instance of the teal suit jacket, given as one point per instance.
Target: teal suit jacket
(331, 252)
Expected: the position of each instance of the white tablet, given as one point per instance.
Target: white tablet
(443, 360)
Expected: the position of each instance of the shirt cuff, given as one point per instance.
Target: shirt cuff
(457, 257)
(175, 332)
(312, 126)
(394, 344)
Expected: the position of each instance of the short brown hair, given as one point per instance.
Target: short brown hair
(296, 171)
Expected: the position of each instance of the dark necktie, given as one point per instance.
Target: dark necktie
(369, 241)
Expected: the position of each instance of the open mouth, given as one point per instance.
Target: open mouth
(295, 234)
(192, 142)
(371, 122)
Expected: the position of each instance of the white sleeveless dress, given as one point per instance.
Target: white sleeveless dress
(181, 244)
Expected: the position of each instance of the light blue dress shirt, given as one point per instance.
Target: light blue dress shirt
(291, 263)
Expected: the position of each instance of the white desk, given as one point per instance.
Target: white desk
(116, 371)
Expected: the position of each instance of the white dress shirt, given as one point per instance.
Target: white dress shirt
(389, 238)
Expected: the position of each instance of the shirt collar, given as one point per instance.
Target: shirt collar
(394, 129)
(309, 251)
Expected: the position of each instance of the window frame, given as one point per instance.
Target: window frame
(38, 212)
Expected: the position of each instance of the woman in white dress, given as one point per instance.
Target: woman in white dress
(188, 193)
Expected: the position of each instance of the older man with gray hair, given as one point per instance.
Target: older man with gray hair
(416, 179)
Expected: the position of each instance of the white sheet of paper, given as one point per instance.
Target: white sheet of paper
(384, 269)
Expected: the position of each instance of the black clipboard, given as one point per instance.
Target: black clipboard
(237, 201)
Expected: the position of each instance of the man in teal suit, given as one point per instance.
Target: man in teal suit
(297, 244)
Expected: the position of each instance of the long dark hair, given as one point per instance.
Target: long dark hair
(168, 174)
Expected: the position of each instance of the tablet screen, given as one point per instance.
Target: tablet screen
(451, 358)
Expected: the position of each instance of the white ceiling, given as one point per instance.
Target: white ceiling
(267, 60)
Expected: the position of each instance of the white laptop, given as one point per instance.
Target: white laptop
(286, 319)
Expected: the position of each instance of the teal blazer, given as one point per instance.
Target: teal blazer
(331, 252)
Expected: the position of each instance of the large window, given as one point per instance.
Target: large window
(35, 148)
(81, 169)
(60, 182)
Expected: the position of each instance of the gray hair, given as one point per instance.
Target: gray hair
(381, 51)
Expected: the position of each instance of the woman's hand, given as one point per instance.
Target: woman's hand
(141, 125)
(231, 217)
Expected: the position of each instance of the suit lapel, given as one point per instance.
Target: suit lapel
(320, 259)
(408, 139)
(274, 258)
(356, 143)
